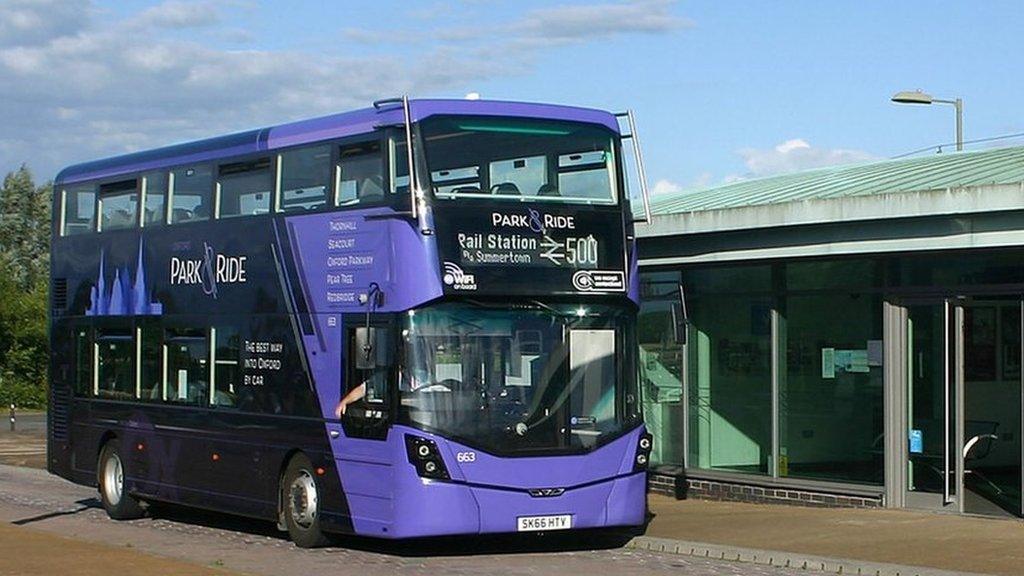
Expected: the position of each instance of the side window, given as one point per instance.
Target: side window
(370, 358)
(399, 164)
(305, 178)
(244, 188)
(150, 335)
(227, 370)
(186, 354)
(83, 361)
(119, 205)
(153, 211)
(360, 174)
(115, 364)
(190, 189)
(79, 209)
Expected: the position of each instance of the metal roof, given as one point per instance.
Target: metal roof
(940, 172)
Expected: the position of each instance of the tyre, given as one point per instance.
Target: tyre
(110, 475)
(300, 497)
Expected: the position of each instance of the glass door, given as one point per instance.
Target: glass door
(991, 447)
(931, 473)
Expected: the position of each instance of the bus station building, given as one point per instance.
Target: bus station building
(846, 336)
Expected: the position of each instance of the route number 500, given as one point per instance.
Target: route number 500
(581, 250)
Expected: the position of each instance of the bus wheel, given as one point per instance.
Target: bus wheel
(301, 500)
(110, 472)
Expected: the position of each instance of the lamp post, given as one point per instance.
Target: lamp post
(918, 97)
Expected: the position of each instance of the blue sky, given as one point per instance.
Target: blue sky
(722, 90)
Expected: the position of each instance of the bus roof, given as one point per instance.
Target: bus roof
(316, 129)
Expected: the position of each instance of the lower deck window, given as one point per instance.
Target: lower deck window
(188, 373)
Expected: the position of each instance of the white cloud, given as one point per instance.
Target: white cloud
(662, 187)
(583, 22)
(74, 90)
(794, 155)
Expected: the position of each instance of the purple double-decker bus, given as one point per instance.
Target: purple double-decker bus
(291, 324)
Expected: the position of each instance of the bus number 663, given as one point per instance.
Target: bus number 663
(465, 456)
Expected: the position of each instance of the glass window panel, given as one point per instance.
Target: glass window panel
(977, 268)
(465, 180)
(730, 383)
(116, 365)
(79, 209)
(119, 204)
(399, 168)
(728, 279)
(188, 371)
(522, 158)
(191, 193)
(361, 174)
(518, 176)
(661, 377)
(245, 188)
(151, 385)
(227, 367)
(156, 199)
(592, 378)
(83, 361)
(831, 388)
(305, 178)
(833, 274)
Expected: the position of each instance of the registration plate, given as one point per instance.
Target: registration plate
(540, 523)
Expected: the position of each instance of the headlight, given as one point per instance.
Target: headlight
(423, 454)
(643, 452)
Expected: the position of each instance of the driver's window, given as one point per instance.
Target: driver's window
(370, 361)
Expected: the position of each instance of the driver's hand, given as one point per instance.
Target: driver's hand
(340, 410)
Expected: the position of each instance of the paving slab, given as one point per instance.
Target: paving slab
(944, 542)
(25, 551)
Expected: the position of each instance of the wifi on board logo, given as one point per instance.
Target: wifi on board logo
(455, 277)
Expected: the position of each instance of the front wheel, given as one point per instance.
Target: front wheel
(301, 500)
(110, 475)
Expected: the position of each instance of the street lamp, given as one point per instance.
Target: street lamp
(918, 97)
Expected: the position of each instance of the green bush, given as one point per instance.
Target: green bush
(24, 275)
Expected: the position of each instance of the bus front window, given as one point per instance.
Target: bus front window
(519, 380)
(515, 159)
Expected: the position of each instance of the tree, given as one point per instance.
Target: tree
(24, 275)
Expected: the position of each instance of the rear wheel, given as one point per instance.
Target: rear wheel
(110, 475)
(300, 494)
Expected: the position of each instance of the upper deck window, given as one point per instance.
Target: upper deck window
(305, 178)
(79, 209)
(360, 174)
(190, 193)
(153, 213)
(119, 205)
(516, 159)
(245, 188)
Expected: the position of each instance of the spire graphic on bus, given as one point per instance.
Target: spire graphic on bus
(123, 296)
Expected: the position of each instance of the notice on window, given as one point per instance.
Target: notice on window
(852, 361)
(828, 362)
(876, 353)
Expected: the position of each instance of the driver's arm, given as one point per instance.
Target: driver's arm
(354, 395)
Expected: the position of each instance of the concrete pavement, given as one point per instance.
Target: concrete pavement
(939, 541)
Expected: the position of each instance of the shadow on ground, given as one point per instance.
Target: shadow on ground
(451, 546)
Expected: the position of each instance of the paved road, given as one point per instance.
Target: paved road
(26, 446)
(30, 497)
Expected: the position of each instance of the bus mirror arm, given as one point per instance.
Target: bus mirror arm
(419, 212)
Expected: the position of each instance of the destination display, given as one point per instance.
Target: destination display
(517, 248)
